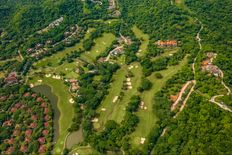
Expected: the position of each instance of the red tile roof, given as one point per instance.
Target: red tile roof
(46, 124)
(45, 132)
(28, 132)
(23, 148)
(41, 140)
(42, 149)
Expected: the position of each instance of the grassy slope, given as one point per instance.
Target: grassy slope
(147, 117)
(115, 111)
(167, 52)
(144, 38)
(66, 108)
(100, 46)
(107, 103)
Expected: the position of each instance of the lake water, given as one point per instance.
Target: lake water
(75, 137)
(47, 91)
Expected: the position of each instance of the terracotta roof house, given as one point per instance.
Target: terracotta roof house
(11, 78)
(13, 109)
(34, 95)
(32, 125)
(45, 132)
(41, 140)
(23, 148)
(28, 132)
(39, 99)
(42, 149)
(26, 94)
(46, 110)
(46, 118)
(43, 105)
(7, 123)
(10, 141)
(27, 139)
(3, 98)
(34, 117)
(16, 132)
(46, 124)
(167, 43)
(10, 150)
(18, 105)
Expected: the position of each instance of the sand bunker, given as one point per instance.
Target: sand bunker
(115, 99)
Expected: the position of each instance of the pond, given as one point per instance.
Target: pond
(74, 138)
(47, 91)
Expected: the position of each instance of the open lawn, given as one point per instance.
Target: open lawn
(144, 38)
(147, 117)
(101, 44)
(66, 108)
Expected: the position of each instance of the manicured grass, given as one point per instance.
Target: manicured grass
(116, 111)
(119, 110)
(115, 89)
(167, 52)
(66, 108)
(144, 38)
(147, 117)
(101, 44)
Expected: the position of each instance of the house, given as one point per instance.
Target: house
(23, 148)
(207, 65)
(41, 140)
(46, 124)
(10, 150)
(28, 132)
(42, 149)
(45, 132)
(101, 60)
(124, 40)
(167, 43)
(11, 78)
(46, 118)
(117, 51)
(112, 4)
(34, 117)
(27, 139)
(3, 98)
(48, 42)
(214, 70)
(30, 50)
(55, 23)
(39, 99)
(38, 46)
(32, 125)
